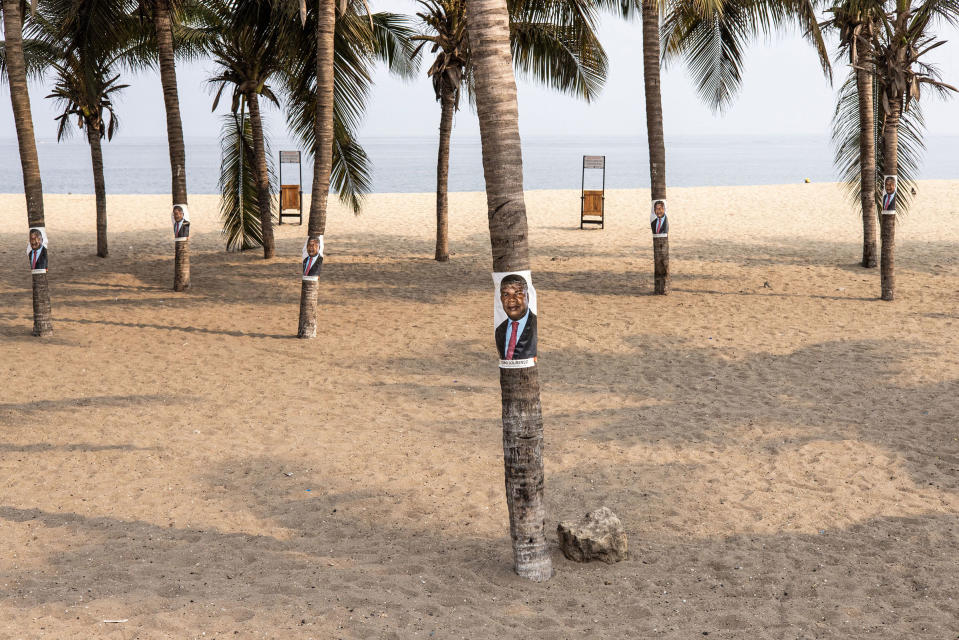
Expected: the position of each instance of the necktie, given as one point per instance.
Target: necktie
(659, 225)
(309, 265)
(36, 254)
(512, 341)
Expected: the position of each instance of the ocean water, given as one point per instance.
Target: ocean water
(408, 165)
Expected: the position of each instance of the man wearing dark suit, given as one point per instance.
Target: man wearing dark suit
(38, 252)
(181, 227)
(516, 336)
(889, 198)
(313, 259)
(660, 224)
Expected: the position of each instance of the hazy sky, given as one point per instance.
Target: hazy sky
(784, 92)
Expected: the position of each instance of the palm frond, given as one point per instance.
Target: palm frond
(356, 47)
(351, 176)
(712, 37)
(239, 199)
(846, 132)
(559, 58)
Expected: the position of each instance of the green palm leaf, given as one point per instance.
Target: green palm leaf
(357, 48)
(239, 199)
(554, 42)
(845, 136)
(712, 37)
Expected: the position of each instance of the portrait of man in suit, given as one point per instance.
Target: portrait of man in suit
(657, 219)
(181, 221)
(889, 193)
(516, 335)
(312, 257)
(37, 252)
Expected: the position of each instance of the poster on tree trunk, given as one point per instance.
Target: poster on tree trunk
(890, 184)
(312, 258)
(657, 219)
(514, 319)
(37, 250)
(180, 217)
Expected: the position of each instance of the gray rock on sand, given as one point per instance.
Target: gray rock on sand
(598, 536)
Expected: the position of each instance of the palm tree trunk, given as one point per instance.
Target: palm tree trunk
(322, 154)
(174, 127)
(96, 155)
(262, 177)
(890, 157)
(29, 161)
(447, 106)
(654, 134)
(867, 160)
(488, 24)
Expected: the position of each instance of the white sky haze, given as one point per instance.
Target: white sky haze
(784, 92)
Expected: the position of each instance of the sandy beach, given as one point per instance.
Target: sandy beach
(781, 446)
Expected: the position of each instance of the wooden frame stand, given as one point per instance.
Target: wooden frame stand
(291, 195)
(592, 209)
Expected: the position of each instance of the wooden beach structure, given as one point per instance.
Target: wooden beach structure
(291, 195)
(593, 201)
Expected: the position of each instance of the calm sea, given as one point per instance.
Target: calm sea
(141, 165)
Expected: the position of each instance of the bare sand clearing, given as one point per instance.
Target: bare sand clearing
(785, 458)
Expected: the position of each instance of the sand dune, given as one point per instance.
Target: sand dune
(784, 457)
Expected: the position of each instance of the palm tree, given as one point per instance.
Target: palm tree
(29, 162)
(553, 41)
(904, 39)
(246, 48)
(162, 14)
(322, 153)
(856, 22)
(654, 135)
(84, 88)
(847, 135)
(83, 44)
(448, 20)
(495, 91)
(711, 36)
(359, 40)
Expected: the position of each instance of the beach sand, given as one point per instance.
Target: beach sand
(784, 458)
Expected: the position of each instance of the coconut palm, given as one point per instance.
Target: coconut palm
(239, 184)
(447, 19)
(162, 13)
(360, 41)
(856, 22)
(246, 48)
(16, 72)
(711, 36)
(654, 135)
(552, 41)
(322, 152)
(328, 75)
(495, 91)
(83, 43)
(904, 38)
(85, 89)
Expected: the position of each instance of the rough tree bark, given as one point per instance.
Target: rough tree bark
(99, 188)
(654, 133)
(447, 106)
(867, 158)
(163, 26)
(890, 159)
(29, 161)
(322, 154)
(488, 25)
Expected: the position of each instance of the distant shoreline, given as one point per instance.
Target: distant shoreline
(384, 194)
